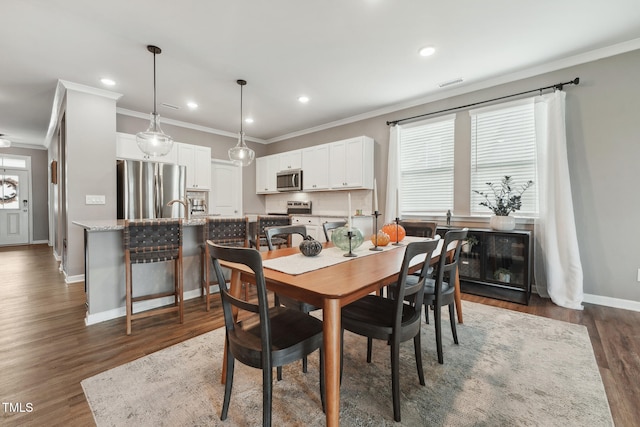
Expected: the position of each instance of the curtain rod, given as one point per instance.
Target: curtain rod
(557, 86)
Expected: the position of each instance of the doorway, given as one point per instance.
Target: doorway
(225, 197)
(15, 196)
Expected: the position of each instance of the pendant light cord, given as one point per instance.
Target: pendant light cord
(241, 109)
(154, 84)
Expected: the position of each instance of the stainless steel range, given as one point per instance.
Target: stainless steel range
(296, 207)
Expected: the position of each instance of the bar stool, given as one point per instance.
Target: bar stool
(257, 236)
(226, 232)
(151, 241)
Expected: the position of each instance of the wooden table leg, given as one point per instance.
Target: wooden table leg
(235, 289)
(331, 330)
(456, 295)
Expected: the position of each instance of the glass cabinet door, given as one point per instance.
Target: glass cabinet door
(505, 259)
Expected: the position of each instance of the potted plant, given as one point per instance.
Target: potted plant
(502, 200)
(469, 243)
(502, 275)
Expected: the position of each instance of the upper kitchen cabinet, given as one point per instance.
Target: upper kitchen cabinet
(266, 169)
(351, 163)
(315, 168)
(290, 160)
(197, 159)
(127, 148)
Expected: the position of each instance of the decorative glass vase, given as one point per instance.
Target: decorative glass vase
(341, 240)
(502, 223)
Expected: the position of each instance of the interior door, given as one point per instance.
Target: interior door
(225, 197)
(14, 207)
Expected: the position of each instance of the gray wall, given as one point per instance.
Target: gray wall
(603, 130)
(219, 150)
(39, 186)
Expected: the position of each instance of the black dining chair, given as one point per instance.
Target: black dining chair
(269, 337)
(419, 228)
(440, 290)
(284, 232)
(257, 236)
(394, 320)
(327, 226)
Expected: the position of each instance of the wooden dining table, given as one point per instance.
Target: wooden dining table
(330, 288)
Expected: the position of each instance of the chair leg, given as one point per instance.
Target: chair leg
(341, 353)
(369, 349)
(179, 293)
(279, 373)
(129, 292)
(417, 348)
(395, 380)
(304, 364)
(228, 384)
(426, 313)
(438, 326)
(452, 319)
(206, 260)
(266, 396)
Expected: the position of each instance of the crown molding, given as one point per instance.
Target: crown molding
(560, 64)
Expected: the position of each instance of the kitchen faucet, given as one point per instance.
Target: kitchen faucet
(184, 203)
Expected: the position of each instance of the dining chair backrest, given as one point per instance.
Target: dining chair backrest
(448, 262)
(404, 290)
(419, 228)
(327, 226)
(284, 232)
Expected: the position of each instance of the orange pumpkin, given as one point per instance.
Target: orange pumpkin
(391, 229)
(382, 237)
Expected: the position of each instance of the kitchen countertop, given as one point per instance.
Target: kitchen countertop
(118, 224)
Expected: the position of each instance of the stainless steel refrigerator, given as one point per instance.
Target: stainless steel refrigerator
(145, 188)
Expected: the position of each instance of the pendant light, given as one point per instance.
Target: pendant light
(241, 155)
(154, 141)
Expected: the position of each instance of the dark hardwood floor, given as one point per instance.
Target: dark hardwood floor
(46, 349)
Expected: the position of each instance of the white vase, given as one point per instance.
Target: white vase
(502, 223)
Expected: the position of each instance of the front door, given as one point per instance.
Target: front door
(14, 207)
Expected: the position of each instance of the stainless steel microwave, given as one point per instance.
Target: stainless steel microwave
(289, 180)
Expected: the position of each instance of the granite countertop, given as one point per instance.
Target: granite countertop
(118, 224)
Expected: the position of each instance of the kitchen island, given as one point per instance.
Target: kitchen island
(105, 269)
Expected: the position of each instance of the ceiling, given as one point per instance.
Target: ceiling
(350, 57)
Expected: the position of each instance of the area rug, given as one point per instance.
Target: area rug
(510, 369)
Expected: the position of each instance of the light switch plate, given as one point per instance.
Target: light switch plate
(94, 200)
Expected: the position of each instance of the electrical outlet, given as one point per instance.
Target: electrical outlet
(94, 200)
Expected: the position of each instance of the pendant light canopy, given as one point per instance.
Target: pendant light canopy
(241, 155)
(154, 141)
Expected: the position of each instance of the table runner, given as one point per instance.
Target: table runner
(298, 264)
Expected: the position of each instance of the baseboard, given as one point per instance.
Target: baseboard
(103, 316)
(612, 302)
(40, 242)
(74, 279)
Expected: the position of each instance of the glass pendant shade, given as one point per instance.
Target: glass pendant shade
(241, 154)
(153, 141)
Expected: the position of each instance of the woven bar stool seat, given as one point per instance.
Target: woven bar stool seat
(230, 232)
(153, 241)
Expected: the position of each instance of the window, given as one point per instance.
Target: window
(503, 142)
(426, 166)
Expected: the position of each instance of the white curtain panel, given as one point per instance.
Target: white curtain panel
(558, 270)
(393, 175)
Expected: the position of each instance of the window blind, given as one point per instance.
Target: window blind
(503, 142)
(426, 166)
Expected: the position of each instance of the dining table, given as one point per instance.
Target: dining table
(330, 285)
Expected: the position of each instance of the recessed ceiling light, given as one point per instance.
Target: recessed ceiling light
(304, 99)
(192, 105)
(427, 51)
(248, 120)
(108, 82)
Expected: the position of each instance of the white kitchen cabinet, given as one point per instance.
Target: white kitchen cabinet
(290, 160)
(351, 163)
(197, 159)
(127, 148)
(266, 169)
(315, 168)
